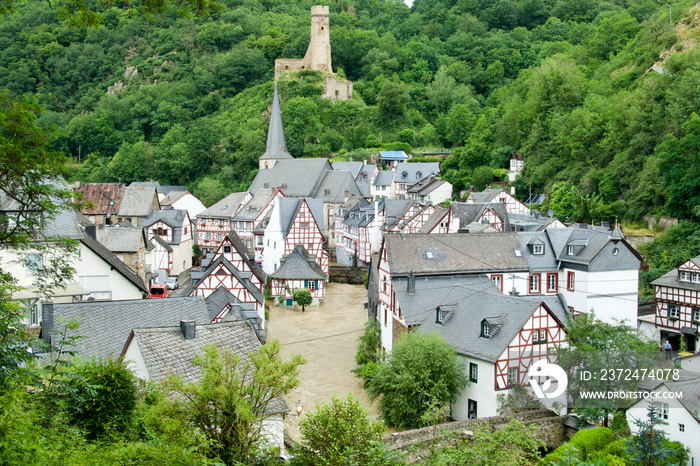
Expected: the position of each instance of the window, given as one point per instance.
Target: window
(259, 240)
(534, 283)
(674, 311)
(207, 236)
(249, 243)
(471, 408)
(384, 285)
(570, 281)
(219, 237)
(552, 283)
(473, 372)
(159, 231)
(304, 225)
(695, 278)
(312, 285)
(539, 336)
(34, 315)
(512, 376)
(155, 231)
(681, 427)
(498, 281)
(696, 314)
(684, 276)
(570, 251)
(485, 329)
(538, 248)
(221, 222)
(185, 230)
(662, 410)
(227, 249)
(34, 264)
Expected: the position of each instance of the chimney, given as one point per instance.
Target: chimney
(411, 284)
(90, 231)
(438, 315)
(187, 327)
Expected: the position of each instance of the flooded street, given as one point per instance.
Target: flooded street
(326, 336)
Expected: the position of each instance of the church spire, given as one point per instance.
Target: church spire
(276, 147)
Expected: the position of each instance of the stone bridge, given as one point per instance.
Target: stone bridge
(554, 430)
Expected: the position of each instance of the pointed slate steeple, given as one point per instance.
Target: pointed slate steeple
(616, 235)
(276, 148)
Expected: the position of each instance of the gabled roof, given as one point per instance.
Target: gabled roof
(276, 147)
(226, 207)
(171, 197)
(241, 277)
(412, 173)
(525, 222)
(394, 209)
(296, 177)
(487, 195)
(114, 262)
(289, 206)
(102, 198)
(162, 242)
(470, 301)
(361, 214)
(438, 216)
(175, 218)
(106, 325)
(393, 154)
(335, 185)
(426, 186)
(538, 262)
(670, 279)
(121, 239)
(468, 213)
(252, 209)
(439, 253)
(221, 298)
(384, 178)
(353, 167)
(164, 190)
(137, 201)
(248, 257)
(299, 265)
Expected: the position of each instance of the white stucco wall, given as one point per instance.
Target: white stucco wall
(611, 295)
(441, 194)
(273, 242)
(134, 361)
(677, 414)
(191, 204)
(482, 392)
(273, 431)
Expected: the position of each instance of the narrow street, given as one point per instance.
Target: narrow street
(326, 336)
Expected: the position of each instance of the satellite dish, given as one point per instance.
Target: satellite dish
(550, 213)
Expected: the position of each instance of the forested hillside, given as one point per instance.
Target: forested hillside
(567, 83)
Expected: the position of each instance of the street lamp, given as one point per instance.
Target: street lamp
(300, 407)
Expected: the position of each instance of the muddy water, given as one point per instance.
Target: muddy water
(326, 336)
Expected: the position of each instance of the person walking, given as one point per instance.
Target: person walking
(668, 348)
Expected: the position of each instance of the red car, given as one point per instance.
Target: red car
(160, 290)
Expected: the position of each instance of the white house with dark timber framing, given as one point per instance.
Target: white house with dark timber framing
(502, 196)
(216, 222)
(170, 231)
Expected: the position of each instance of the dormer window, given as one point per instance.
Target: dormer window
(404, 175)
(485, 329)
(570, 251)
(418, 175)
(538, 249)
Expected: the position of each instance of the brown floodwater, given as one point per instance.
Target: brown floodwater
(326, 336)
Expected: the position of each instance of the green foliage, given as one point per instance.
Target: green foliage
(302, 297)
(421, 372)
(341, 433)
(100, 397)
(585, 442)
(619, 425)
(650, 446)
(482, 177)
(513, 444)
(236, 394)
(369, 351)
(519, 399)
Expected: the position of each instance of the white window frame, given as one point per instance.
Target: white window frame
(570, 251)
(552, 282)
(534, 284)
(674, 311)
(474, 372)
(513, 376)
(538, 249)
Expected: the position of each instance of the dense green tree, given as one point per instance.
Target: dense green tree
(422, 373)
(391, 102)
(302, 297)
(132, 162)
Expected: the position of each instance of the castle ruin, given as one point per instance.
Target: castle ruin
(318, 57)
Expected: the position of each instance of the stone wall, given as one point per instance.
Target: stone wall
(336, 89)
(553, 431)
(345, 274)
(663, 222)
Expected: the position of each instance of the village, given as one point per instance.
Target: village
(159, 276)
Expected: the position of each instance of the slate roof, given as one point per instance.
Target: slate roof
(242, 277)
(248, 256)
(175, 218)
(467, 213)
(467, 302)
(412, 173)
(137, 201)
(276, 147)
(289, 206)
(453, 253)
(165, 350)
(524, 222)
(394, 209)
(121, 239)
(538, 262)
(426, 186)
(106, 324)
(171, 197)
(102, 198)
(362, 214)
(334, 185)
(438, 216)
(297, 177)
(165, 190)
(487, 195)
(351, 166)
(670, 278)
(221, 297)
(384, 178)
(299, 265)
(393, 154)
(162, 242)
(252, 209)
(226, 207)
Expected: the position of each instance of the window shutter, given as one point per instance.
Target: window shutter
(306, 283)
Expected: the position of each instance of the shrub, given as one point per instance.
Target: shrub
(397, 146)
(586, 442)
(619, 425)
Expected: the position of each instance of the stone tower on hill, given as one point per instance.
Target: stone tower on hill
(318, 57)
(276, 147)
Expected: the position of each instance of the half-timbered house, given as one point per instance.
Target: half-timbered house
(498, 337)
(250, 217)
(513, 205)
(295, 221)
(360, 233)
(170, 231)
(298, 269)
(413, 223)
(677, 316)
(216, 222)
(466, 217)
